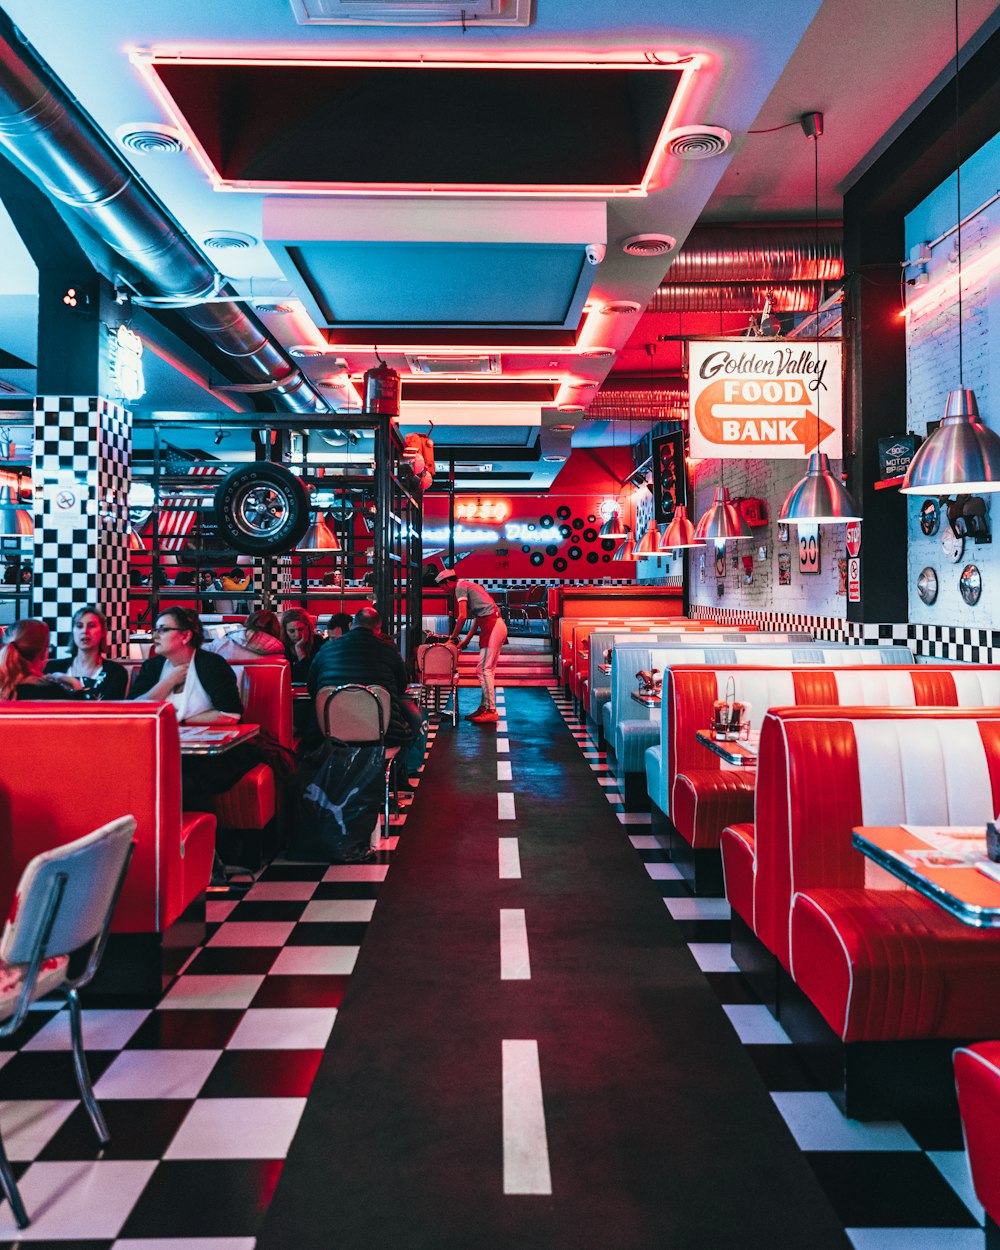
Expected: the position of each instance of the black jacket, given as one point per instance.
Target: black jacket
(113, 683)
(300, 668)
(361, 656)
(213, 672)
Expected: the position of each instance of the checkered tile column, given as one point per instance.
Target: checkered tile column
(271, 592)
(81, 475)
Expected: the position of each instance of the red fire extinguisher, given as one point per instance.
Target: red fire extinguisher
(382, 390)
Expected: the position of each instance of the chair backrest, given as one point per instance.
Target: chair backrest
(821, 771)
(437, 663)
(354, 713)
(44, 921)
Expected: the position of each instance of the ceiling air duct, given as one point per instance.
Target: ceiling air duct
(49, 136)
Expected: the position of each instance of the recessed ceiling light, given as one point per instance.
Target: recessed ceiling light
(229, 240)
(649, 244)
(555, 459)
(597, 353)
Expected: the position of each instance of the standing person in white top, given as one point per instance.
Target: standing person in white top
(474, 602)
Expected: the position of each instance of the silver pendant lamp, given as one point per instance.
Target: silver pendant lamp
(626, 550)
(722, 522)
(962, 455)
(613, 528)
(680, 532)
(819, 498)
(318, 537)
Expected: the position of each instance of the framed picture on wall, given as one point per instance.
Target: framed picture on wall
(784, 568)
(809, 552)
(782, 532)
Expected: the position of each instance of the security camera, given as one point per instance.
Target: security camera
(595, 253)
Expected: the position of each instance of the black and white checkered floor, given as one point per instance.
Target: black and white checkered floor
(894, 1186)
(202, 1091)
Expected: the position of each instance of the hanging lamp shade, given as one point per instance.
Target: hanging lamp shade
(318, 537)
(15, 521)
(722, 521)
(135, 542)
(613, 528)
(625, 551)
(649, 544)
(819, 498)
(680, 531)
(962, 456)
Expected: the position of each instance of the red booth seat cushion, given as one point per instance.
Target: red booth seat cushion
(977, 1078)
(737, 846)
(884, 965)
(197, 851)
(250, 803)
(704, 801)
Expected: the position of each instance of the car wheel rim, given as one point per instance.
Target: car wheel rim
(261, 511)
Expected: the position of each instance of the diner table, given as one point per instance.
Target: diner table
(741, 753)
(945, 863)
(646, 699)
(214, 739)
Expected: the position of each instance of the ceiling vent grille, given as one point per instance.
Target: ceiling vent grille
(278, 310)
(452, 366)
(150, 139)
(412, 12)
(620, 308)
(695, 143)
(229, 241)
(649, 245)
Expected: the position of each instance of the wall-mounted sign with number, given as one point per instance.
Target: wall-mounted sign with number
(809, 549)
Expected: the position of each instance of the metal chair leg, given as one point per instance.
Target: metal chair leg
(9, 1187)
(454, 706)
(82, 1072)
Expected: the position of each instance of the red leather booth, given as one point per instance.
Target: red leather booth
(68, 768)
(876, 969)
(977, 1079)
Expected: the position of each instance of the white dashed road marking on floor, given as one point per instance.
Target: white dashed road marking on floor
(505, 806)
(503, 746)
(503, 770)
(514, 962)
(510, 859)
(525, 1144)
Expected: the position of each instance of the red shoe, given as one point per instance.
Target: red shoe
(488, 716)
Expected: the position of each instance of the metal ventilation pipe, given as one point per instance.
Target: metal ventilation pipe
(50, 137)
(759, 254)
(733, 297)
(648, 403)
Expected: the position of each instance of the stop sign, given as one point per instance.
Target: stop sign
(853, 537)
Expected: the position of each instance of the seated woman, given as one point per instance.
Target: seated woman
(203, 689)
(259, 637)
(298, 633)
(22, 666)
(99, 677)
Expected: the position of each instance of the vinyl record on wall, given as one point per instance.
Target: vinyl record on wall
(927, 585)
(970, 584)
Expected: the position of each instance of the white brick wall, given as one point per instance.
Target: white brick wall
(809, 595)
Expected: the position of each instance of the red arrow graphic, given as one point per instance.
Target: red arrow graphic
(763, 430)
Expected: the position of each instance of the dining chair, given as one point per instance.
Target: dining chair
(359, 716)
(437, 668)
(62, 907)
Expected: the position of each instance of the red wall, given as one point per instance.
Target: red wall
(571, 506)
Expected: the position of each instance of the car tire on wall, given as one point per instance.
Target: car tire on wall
(261, 509)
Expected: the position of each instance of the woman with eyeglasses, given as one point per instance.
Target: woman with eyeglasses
(99, 677)
(201, 686)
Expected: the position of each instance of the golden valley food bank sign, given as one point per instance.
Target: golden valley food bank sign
(763, 400)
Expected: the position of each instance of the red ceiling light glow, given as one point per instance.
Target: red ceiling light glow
(169, 77)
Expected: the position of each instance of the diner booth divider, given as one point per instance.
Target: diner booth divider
(630, 729)
(54, 788)
(876, 984)
(574, 635)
